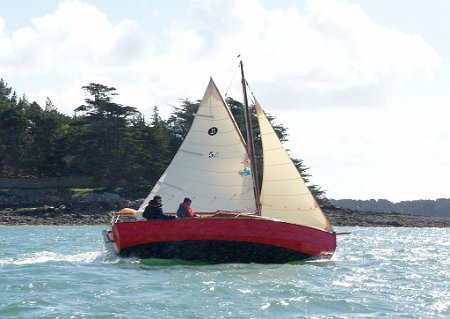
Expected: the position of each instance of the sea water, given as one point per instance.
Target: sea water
(64, 272)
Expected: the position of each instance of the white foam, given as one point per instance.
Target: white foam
(48, 256)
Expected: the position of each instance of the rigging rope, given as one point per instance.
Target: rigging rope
(250, 89)
(231, 82)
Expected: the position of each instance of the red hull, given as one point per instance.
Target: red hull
(237, 239)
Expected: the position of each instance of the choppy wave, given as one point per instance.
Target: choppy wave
(48, 256)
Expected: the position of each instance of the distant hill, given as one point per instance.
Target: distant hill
(438, 207)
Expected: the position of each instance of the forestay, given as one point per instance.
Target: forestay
(284, 194)
(211, 166)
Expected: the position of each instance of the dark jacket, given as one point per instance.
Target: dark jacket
(154, 211)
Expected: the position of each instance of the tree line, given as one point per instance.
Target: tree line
(438, 207)
(113, 143)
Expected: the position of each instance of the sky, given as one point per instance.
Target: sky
(363, 86)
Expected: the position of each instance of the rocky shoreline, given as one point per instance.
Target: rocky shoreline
(51, 207)
(50, 216)
(337, 217)
(347, 217)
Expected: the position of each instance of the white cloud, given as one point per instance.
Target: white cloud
(76, 34)
(330, 54)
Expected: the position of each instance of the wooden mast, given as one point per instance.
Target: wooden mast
(250, 141)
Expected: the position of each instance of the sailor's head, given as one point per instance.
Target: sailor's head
(157, 198)
(187, 200)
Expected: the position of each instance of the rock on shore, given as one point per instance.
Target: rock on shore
(55, 207)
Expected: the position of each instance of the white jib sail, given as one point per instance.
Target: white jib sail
(284, 194)
(211, 166)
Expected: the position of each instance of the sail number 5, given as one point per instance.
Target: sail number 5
(213, 155)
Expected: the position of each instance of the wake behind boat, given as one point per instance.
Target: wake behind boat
(216, 169)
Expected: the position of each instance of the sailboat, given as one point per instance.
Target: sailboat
(216, 168)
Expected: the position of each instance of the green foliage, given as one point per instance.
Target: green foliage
(44, 150)
(154, 145)
(182, 117)
(5, 91)
(13, 131)
(106, 140)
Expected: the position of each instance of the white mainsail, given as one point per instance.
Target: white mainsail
(211, 166)
(284, 194)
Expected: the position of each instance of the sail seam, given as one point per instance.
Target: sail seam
(291, 210)
(279, 164)
(208, 171)
(282, 180)
(204, 115)
(218, 145)
(198, 195)
(210, 118)
(274, 149)
(170, 185)
(189, 152)
(288, 195)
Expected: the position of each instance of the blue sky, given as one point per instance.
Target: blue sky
(363, 86)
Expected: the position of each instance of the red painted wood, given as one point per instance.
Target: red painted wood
(303, 239)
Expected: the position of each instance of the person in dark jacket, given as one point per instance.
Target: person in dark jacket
(185, 210)
(154, 210)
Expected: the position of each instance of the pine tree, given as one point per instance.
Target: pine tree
(105, 135)
(13, 132)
